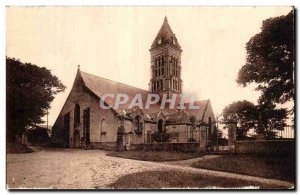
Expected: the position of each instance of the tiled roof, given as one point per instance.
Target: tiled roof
(199, 113)
(100, 86)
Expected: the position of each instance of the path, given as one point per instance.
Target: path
(89, 169)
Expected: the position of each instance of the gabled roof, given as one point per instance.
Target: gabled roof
(100, 86)
(202, 112)
(166, 35)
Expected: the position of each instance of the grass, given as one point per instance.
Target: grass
(154, 156)
(179, 179)
(280, 167)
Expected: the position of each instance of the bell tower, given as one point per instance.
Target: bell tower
(165, 54)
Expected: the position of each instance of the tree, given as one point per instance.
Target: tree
(249, 116)
(243, 113)
(271, 118)
(217, 137)
(29, 91)
(270, 60)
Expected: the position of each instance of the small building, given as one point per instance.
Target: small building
(83, 123)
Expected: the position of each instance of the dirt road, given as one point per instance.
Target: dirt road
(86, 169)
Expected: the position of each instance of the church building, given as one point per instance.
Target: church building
(82, 123)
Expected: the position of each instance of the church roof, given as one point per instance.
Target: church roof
(202, 113)
(100, 86)
(166, 35)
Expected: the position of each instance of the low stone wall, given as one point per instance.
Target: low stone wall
(265, 146)
(176, 147)
(104, 145)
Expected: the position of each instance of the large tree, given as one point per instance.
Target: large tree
(249, 116)
(243, 114)
(270, 60)
(29, 91)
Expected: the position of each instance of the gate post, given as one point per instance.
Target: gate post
(231, 136)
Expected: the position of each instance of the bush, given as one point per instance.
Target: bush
(160, 137)
(38, 135)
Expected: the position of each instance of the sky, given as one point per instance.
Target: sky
(114, 43)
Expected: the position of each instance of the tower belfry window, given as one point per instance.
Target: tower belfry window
(166, 53)
(173, 69)
(176, 68)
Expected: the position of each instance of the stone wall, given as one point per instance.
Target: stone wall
(265, 146)
(171, 147)
(81, 96)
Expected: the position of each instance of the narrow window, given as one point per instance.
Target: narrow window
(76, 116)
(103, 128)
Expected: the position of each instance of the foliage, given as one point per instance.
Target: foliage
(243, 113)
(29, 91)
(38, 135)
(249, 116)
(217, 137)
(160, 137)
(270, 60)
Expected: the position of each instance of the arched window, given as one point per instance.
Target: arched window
(159, 65)
(162, 64)
(155, 67)
(103, 127)
(209, 127)
(76, 115)
(174, 61)
(159, 62)
(176, 68)
(138, 125)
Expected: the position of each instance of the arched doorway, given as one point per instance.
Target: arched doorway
(138, 124)
(76, 140)
(76, 132)
(120, 133)
(76, 115)
(160, 125)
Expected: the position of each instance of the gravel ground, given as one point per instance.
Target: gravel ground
(88, 169)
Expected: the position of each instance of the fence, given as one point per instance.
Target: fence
(287, 133)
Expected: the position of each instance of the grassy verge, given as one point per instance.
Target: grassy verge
(280, 167)
(154, 156)
(178, 179)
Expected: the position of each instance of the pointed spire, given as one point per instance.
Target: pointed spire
(78, 67)
(166, 19)
(165, 35)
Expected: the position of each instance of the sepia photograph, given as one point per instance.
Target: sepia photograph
(150, 98)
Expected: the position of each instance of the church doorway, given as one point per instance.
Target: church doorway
(149, 137)
(66, 135)
(76, 139)
(160, 126)
(120, 133)
(86, 125)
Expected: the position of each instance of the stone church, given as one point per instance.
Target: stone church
(83, 124)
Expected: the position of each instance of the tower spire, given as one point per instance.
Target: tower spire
(165, 62)
(165, 35)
